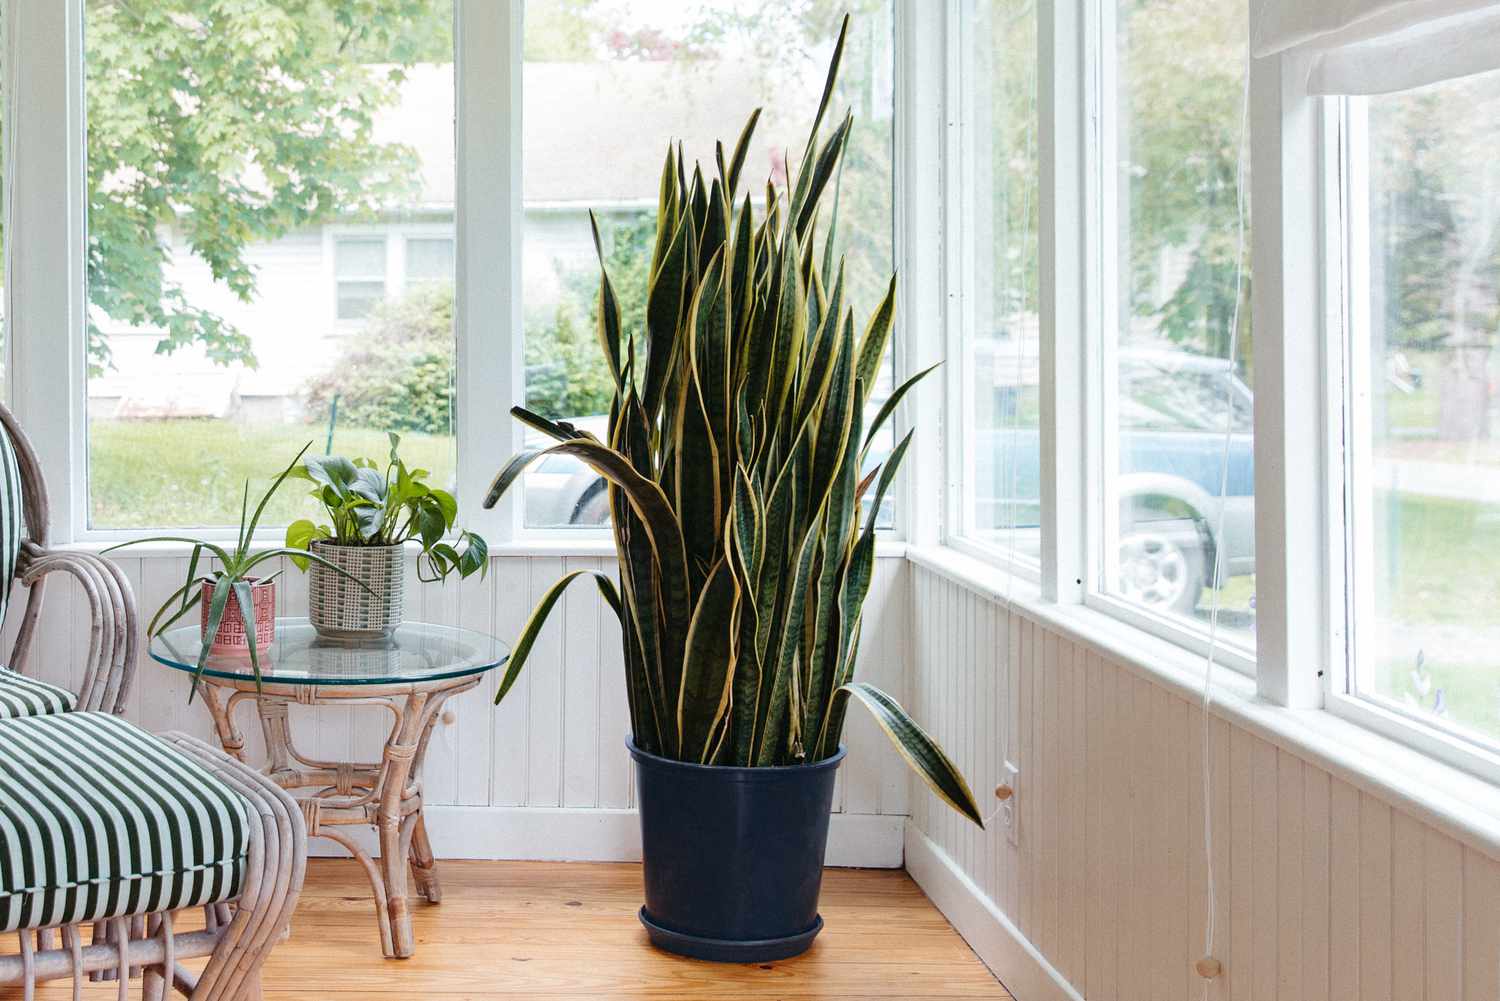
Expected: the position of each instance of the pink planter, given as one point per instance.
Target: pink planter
(231, 637)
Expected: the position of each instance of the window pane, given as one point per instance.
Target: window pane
(620, 80)
(429, 260)
(359, 258)
(1178, 377)
(1427, 471)
(1001, 475)
(216, 291)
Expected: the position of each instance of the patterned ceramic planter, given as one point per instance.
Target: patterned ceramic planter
(231, 636)
(340, 608)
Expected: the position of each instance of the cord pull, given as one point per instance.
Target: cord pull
(1208, 967)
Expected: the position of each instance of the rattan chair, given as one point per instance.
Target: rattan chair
(109, 834)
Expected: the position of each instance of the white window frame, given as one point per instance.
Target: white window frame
(958, 256)
(45, 290)
(1097, 432)
(1347, 226)
(45, 294)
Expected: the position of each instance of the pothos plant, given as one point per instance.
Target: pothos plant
(735, 465)
(232, 578)
(368, 505)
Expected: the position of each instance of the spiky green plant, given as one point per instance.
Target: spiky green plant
(736, 443)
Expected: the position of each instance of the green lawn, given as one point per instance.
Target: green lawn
(187, 473)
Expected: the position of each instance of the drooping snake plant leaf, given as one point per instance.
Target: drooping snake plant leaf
(920, 751)
(741, 472)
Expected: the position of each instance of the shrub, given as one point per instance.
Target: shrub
(396, 374)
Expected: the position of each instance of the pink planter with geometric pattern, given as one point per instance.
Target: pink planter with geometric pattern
(231, 636)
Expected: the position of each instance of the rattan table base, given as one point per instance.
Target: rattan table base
(384, 795)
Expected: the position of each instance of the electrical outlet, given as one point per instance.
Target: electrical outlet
(1009, 815)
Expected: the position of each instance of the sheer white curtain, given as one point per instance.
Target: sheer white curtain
(1380, 46)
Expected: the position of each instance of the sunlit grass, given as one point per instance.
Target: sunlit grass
(191, 473)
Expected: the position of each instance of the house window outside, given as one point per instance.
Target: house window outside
(359, 270)
(429, 262)
(1424, 417)
(621, 81)
(1176, 364)
(217, 218)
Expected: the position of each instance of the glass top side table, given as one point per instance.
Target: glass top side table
(411, 674)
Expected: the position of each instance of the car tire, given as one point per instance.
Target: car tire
(592, 509)
(1161, 570)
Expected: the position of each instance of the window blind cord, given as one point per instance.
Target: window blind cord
(1209, 966)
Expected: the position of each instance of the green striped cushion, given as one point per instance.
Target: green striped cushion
(23, 696)
(10, 518)
(100, 819)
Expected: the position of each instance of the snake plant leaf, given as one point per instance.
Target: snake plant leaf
(889, 406)
(876, 337)
(803, 186)
(708, 666)
(777, 710)
(556, 430)
(665, 303)
(538, 618)
(823, 171)
(830, 242)
(666, 213)
(741, 151)
(609, 310)
(920, 751)
(888, 470)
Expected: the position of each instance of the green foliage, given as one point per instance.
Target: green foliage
(368, 507)
(232, 579)
(231, 122)
(396, 372)
(565, 377)
(1185, 61)
(733, 460)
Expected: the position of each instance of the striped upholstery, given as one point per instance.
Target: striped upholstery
(10, 518)
(100, 819)
(23, 696)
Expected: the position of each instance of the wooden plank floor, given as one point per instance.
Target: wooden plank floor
(569, 931)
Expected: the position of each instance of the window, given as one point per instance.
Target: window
(997, 381)
(1178, 456)
(1424, 415)
(218, 214)
(359, 267)
(622, 80)
(429, 262)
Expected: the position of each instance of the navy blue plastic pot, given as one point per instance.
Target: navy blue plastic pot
(733, 857)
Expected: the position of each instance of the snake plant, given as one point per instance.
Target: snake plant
(736, 444)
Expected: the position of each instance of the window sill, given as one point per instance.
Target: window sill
(1450, 799)
(556, 545)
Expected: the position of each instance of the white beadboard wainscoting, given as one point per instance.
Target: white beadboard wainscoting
(1324, 891)
(546, 774)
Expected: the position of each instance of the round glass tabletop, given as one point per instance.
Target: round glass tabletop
(417, 652)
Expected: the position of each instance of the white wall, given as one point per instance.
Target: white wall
(546, 774)
(1324, 891)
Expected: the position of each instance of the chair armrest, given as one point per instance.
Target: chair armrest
(114, 626)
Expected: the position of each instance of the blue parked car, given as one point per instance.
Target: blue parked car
(1171, 446)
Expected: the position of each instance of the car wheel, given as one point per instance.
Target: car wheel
(1160, 572)
(593, 507)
